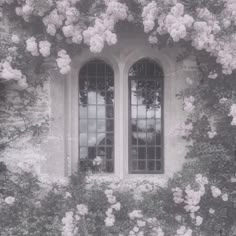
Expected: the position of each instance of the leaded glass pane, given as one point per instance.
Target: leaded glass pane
(96, 116)
(145, 91)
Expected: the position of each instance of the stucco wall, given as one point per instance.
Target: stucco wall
(62, 145)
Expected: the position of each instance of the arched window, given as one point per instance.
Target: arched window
(96, 117)
(145, 117)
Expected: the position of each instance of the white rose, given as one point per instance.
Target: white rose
(211, 211)
(82, 209)
(199, 220)
(15, 39)
(225, 197)
(9, 200)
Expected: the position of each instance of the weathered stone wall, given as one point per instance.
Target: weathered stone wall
(58, 100)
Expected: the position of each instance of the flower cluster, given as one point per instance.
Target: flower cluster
(177, 195)
(177, 23)
(44, 48)
(101, 32)
(9, 200)
(71, 219)
(233, 114)
(193, 198)
(149, 15)
(15, 39)
(32, 46)
(216, 192)
(68, 228)
(63, 62)
(188, 104)
(110, 217)
(184, 231)
(137, 229)
(97, 161)
(8, 73)
(211, 134)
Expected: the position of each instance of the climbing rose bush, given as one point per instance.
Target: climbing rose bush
(207, 26)
(186, 206)
(198, 200)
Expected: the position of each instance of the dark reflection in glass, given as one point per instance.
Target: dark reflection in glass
(109, 111)
(110, 139)
(141, 153)
(145, 84)
(109, 166)
(101, 151)
(91, 152)
(109, 152)
(91, 84)
(142, 165)
(109, 97)
(110, 83)
(158, 165)
(141, 138)
(158, 153)
(101, 138)
(151, 165)
(134, 153)
(135, 165)
(83, 97)
(91, 69)
(96, 114)
(100, 69)
(109, 125)
(151, 153)
(134, 139)
(150, 138)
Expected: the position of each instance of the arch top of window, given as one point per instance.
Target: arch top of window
(146, 68)
(96, 67)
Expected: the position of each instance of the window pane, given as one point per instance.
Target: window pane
(101, 112)
(145, 84)
(83, 154)
(83, 126)
(134, 112)
(92, 112)
(92, 139)
(83, 139)
(92, 125)
(92, 97)
(83, 112)
(101, 125)
(96, 114)
(101, 98)
(109, 126)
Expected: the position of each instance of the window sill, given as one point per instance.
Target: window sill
(129, 179)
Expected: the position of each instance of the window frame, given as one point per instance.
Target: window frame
(162, 159)
(79, 77)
